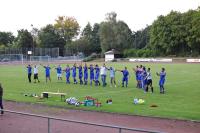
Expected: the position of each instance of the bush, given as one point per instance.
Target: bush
(90, 58)
(138, 53)
(130, 53)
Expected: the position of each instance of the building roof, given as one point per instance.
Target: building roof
(113, 51)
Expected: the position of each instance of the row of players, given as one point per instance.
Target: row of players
(143, 77)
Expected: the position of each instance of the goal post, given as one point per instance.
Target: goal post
(11, 58)
(40, 58)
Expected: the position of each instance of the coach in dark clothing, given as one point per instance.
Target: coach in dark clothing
(1, 95)
(29, 72)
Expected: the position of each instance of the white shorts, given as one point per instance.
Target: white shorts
(59, 75)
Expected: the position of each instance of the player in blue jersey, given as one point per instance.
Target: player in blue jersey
(125, 77)
(97, 69)
(59, 72)
(85, 68)
(47, 72)
(112, 77)
(67, 71)
(91, 74)
(80, 72)
(74, 73)
(29, 70)
(144, 79)
(136, 76)
(140, 71)
(162, 75)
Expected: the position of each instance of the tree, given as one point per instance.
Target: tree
(92, 36)
(67, 27)
(34, 33)
(192, 19)
(49, 38)
(87, 32)
(111, 17)
(115, 34)
(96, 46)
(141, 38)
(6, 39)
(24, 39)
(80, 45)
(176, 34)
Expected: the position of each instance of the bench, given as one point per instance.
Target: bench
(46, 94)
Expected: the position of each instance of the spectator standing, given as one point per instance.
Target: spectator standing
(1, 100)
(103, 74)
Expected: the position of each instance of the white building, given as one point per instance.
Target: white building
(110, 55)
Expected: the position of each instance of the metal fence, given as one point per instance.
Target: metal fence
(119, 128)
(52, 52)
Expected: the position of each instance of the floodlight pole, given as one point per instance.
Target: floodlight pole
(33, 33)
(135, 39)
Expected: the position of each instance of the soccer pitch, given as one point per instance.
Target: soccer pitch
(181, 100)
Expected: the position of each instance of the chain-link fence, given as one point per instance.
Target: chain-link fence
(52, 52)
(21, 55)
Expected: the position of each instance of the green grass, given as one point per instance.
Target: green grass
(182, 100)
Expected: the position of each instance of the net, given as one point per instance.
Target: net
(11, 58)
(40, 58)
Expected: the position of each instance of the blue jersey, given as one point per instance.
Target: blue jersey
(67, 70)
(97, 73)
(144, 75)
(137, 74)
(112, 73)
(47, 70)
(125, 74)
(91, 72)
(85, 72)
(59, 70)
(73, 71)
(162, 78)
(80, 71)
(29, 69)
(162, 75)
(144, 79)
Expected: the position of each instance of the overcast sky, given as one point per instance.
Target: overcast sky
(18, 14)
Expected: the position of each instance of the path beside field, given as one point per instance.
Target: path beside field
(12, 123)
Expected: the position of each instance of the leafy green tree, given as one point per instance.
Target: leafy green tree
(92, 36)
(34, 33)
(96, 46)
(24, 39)
(141, 38)
(49, 38)
(176, 34)
(192, 19)
(80, 45)
(67, 27)
(115, 34)
(111, 17)
(87, 32)
(6, 39)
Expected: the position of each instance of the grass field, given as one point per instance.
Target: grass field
(181, 101)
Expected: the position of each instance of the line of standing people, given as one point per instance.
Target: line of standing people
(94, 72)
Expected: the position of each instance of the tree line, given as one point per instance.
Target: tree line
(176, 34)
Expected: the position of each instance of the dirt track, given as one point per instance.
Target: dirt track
(12, 123)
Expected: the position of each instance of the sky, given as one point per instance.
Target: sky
(21, 14)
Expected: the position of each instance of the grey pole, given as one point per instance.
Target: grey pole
(48, 125)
